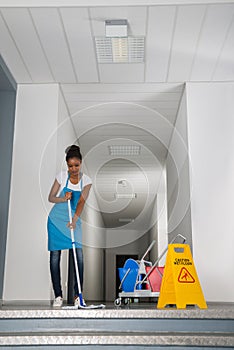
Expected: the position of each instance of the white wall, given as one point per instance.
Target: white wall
(162, 217)
(159, 230)
(178, 178)
(211, 147)
(93, 248)
(26, 269)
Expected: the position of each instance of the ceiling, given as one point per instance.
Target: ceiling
(124, 103)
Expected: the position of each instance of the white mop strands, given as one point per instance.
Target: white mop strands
(87, 307)
(81, 304)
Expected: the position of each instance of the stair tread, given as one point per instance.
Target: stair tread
(124, 339)
(122, 313)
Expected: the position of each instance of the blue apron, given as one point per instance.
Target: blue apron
(59, 235)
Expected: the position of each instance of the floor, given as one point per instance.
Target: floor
(137, 325)
(147, 309)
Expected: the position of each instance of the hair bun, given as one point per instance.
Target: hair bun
(72, 148)
(73, 151)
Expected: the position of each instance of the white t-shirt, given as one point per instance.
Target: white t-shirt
(62, 180)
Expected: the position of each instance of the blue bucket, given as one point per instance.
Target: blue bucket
(130, 280)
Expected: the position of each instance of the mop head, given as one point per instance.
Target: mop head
(87, 307)
(82, 305)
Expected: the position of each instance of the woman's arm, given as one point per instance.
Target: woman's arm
(81, 203)
(53, 194)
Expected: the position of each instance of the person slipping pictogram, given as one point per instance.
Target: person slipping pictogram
(185, 276)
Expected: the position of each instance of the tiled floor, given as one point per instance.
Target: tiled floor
(139, 309)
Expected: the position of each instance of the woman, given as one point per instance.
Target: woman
(73, 185)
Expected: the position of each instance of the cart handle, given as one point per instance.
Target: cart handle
(161, 255)
(149, 248)
(122, 281)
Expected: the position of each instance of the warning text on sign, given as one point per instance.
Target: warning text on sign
(182, 262)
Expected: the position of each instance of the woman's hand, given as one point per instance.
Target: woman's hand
(68, 195)
(73, 224)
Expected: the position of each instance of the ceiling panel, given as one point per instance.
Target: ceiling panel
(79, 35)
(127, 96)
(53, 39)
(11, 55)
(57, 44)
(103, 88)
(188, 25)
(108, 103)
(164, 110)
(93, 108)
(224, 69)
(158, 42)
(25, 37)
(213, 34)
(122, 73)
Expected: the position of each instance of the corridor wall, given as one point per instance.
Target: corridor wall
(178, 178)
(43, 129)
(210, 109)
(26, 274)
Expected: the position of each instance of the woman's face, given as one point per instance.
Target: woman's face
(74, 165)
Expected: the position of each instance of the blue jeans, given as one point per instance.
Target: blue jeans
(55, 256)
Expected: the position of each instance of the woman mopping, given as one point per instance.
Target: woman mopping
(73, 185)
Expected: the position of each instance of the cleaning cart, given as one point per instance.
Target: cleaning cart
(141, 278)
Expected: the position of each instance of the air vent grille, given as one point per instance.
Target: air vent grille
(120, 50)
(124, 150)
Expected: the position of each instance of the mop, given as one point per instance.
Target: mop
(82, 305)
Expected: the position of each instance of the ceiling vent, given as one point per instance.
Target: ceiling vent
(125, 195)
(126, 220)
(120, 50)
(117, 47)
(124, 150)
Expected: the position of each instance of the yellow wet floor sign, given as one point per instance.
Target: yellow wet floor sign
(180, 283)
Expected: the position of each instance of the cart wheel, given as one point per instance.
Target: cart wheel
(117, 302)
(126, 301)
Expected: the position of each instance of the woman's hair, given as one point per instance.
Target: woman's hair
(73, 151)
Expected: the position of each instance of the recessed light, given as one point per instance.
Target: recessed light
(124, 150)
(120, 49)
(125, 220)
(125, 195)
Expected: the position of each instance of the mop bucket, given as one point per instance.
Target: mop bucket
(128, 275)
(155, 278)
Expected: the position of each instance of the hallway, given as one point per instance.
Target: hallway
(153, 114)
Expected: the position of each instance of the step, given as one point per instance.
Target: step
(137, 327)
(109, 341)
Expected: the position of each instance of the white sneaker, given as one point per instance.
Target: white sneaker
(77, 302)
(58, 302)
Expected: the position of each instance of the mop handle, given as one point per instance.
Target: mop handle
(149, 249)
(73, 246)
(70, 219)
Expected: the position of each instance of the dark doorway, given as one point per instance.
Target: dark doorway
(120, 260)
(7, 120)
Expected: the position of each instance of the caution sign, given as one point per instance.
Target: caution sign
(185, 276)
(180, 283)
